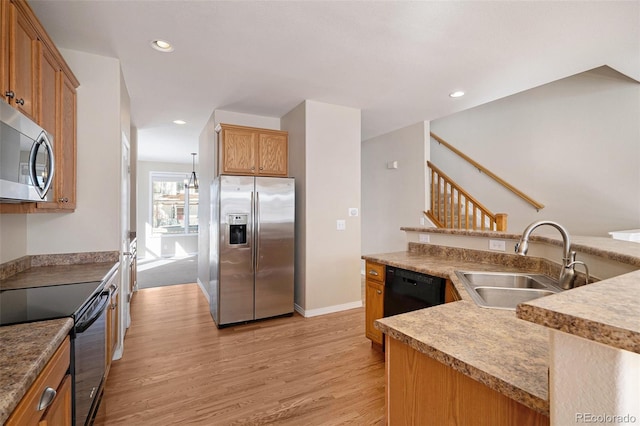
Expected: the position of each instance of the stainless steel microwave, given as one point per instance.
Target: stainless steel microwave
(26, 158)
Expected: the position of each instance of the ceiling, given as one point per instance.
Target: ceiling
(395, 61)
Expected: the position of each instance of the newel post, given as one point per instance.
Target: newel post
(501, 222)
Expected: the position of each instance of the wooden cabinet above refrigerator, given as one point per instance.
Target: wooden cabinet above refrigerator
(251, 151)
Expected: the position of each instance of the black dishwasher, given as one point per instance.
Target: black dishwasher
(406, 291)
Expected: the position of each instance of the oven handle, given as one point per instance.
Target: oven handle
(81, 327)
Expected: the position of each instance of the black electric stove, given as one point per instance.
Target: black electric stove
(44, 303)
(87, 304)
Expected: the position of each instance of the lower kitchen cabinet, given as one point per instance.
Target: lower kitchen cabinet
(48, 400)
(113, 328)
(450, 292)
(423, 391)
(374, 300)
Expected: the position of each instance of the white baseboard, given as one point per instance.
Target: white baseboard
(204, 289)
(327, 310)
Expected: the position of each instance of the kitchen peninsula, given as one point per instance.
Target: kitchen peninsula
(489, 362)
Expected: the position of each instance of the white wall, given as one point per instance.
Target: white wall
(392, 198)
(330, 172)
(208, 166)
(591, 379)
(95, 225)
(294, 123)
(571, 145)
(157, 246)
(13, 236)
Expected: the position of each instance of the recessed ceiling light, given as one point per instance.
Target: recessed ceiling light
(179, 122)
(457, 94)
(162, 46)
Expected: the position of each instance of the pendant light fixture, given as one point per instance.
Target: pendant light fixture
(193, 180)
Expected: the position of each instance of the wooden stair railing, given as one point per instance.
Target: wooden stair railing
(453, 207)
(538, 206)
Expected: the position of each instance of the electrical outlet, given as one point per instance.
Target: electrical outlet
(424, 238)
(353, 211)
(341, 225)
(498, 245)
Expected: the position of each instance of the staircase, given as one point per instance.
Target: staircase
(454, 208)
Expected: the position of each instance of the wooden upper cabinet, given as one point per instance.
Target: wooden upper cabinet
(273, 154)
(35, 71)
(238, 151)
(253, 151)
(24, 55)
(49, 80)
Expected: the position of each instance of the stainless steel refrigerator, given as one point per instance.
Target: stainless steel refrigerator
(252, 248)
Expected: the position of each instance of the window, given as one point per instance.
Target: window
(174, 206)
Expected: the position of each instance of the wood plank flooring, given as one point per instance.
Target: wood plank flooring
(178, 368)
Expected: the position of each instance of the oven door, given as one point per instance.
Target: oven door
(89, 358)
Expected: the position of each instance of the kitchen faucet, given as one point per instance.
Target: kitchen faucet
(567, 272)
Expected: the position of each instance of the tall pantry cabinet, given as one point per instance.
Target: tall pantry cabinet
(37, 81)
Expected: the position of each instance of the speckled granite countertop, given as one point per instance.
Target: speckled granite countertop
(491, 346)
(607, 312)
(56, 275)
(25, 349)
(55, 269)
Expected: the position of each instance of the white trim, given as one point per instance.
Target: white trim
(328, 309)
(204, 290)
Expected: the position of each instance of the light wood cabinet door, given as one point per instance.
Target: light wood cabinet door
(239, 151)
(59, 412)
(49, 81)
(374, 300)
(423, 391)
(374, 309)
(273, 155)
(51, 388)
(66, 154)
(112, 330)
(24, 55)
(450, 293)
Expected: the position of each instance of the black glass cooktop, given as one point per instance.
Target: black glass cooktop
(43, 303)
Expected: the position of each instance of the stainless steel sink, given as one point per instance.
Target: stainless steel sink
(505, 290)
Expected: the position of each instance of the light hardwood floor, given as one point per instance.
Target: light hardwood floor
(178, 368)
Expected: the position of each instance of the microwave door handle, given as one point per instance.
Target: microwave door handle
(42, 140)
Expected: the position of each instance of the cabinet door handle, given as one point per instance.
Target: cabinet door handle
(10, 94)
(46, 398)
(379, 291)
(20, 101)
(63, 200)
(374, 273)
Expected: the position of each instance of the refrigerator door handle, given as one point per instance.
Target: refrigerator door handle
(257, 243)
(253, 232)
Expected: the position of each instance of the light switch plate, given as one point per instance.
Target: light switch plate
(498, 245)
(341, 225)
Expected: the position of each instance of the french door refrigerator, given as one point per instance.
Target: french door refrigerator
(252, 248)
